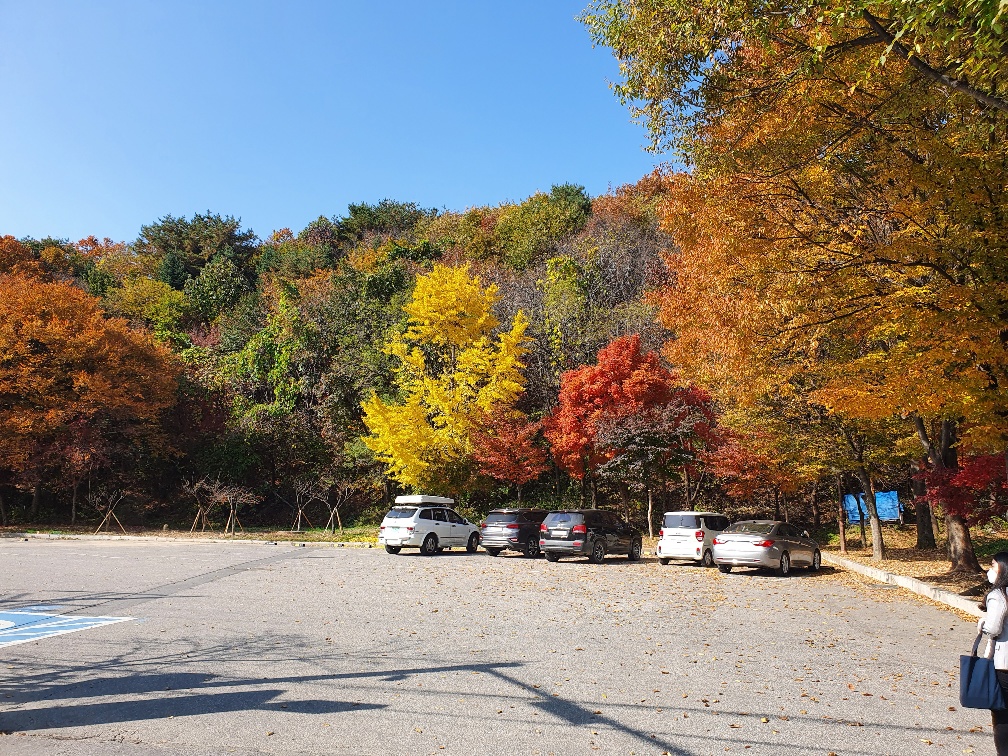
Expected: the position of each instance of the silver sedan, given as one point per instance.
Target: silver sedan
(765, 543)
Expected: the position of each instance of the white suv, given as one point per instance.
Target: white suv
(689, 535)
(427, 523)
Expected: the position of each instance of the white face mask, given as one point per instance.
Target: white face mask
(992, 574)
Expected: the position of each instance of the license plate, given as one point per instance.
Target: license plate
(559, 533)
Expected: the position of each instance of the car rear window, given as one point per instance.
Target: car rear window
(562, 519)
(501, 517)
(756, 528)
(401, 513)
(681, 521)
(716, 523)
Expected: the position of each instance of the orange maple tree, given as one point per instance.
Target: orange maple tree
(73, 383)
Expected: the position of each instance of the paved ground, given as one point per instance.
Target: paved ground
(254, 648)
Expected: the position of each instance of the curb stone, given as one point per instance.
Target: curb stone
(172, 539)
(954, 600)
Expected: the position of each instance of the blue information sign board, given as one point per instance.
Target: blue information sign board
(887, 503)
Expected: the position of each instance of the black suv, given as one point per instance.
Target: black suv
(516, 529)
(588, 532)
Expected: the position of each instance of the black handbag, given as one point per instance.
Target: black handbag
(978, 684)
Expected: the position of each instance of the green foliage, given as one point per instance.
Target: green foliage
(153, 302)
(526, 231)
(218, 286)
(294, 257)
(184, 247)
(386, 219)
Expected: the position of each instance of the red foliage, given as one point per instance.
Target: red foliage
(977, 490)
(624, 381)
(505, 449)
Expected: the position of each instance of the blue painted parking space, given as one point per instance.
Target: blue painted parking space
(27, 626)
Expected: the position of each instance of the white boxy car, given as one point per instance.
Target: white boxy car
(689, 535)
(427, 523)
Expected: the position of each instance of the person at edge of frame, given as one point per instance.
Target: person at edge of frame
(994, 625)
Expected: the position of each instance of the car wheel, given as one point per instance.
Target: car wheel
(725, 568)
(785, 565)
(664, 561)
(430, 545)
(597, 553)
(708, 559)
(493, 552)
(473, 543)
(635, 551)
(816, 561)
(551, 557)
(393, 549)
(532, 547)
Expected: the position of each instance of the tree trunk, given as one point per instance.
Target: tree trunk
(878, 546)
(776, 504)
(783, 497)
(925, 531)
(861, 513)
(944, 456)
(73, 505)
(624, 495)
(816, 512)
(960, 545)
(842, 515)
(686, 490)
(650, 513)
(36, 500)
(519, 494)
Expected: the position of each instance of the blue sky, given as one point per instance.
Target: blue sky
(118, 113)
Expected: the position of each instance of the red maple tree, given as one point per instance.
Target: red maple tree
(504, 448)
(624, 381)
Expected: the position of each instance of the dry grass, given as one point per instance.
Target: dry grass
(929, 565)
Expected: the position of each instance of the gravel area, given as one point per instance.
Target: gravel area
(252, 648)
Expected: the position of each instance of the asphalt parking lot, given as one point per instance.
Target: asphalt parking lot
(249, 648)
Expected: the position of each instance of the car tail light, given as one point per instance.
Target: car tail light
(661, 532)
(483, 524)
(582, 529)
(381, 527)
(514, 526)
(542, 528)
(764, 544)
(409, 528)
(699, 535)
(718, 541)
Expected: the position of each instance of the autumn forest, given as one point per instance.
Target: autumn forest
(813, 302)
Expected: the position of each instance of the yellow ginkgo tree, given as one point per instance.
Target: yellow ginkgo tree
(454, 366)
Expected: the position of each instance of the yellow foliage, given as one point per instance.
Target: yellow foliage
(452, 371)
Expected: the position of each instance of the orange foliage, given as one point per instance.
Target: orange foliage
(66, 370)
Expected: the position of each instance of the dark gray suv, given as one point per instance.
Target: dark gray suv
(593, 533)
(516, 529)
